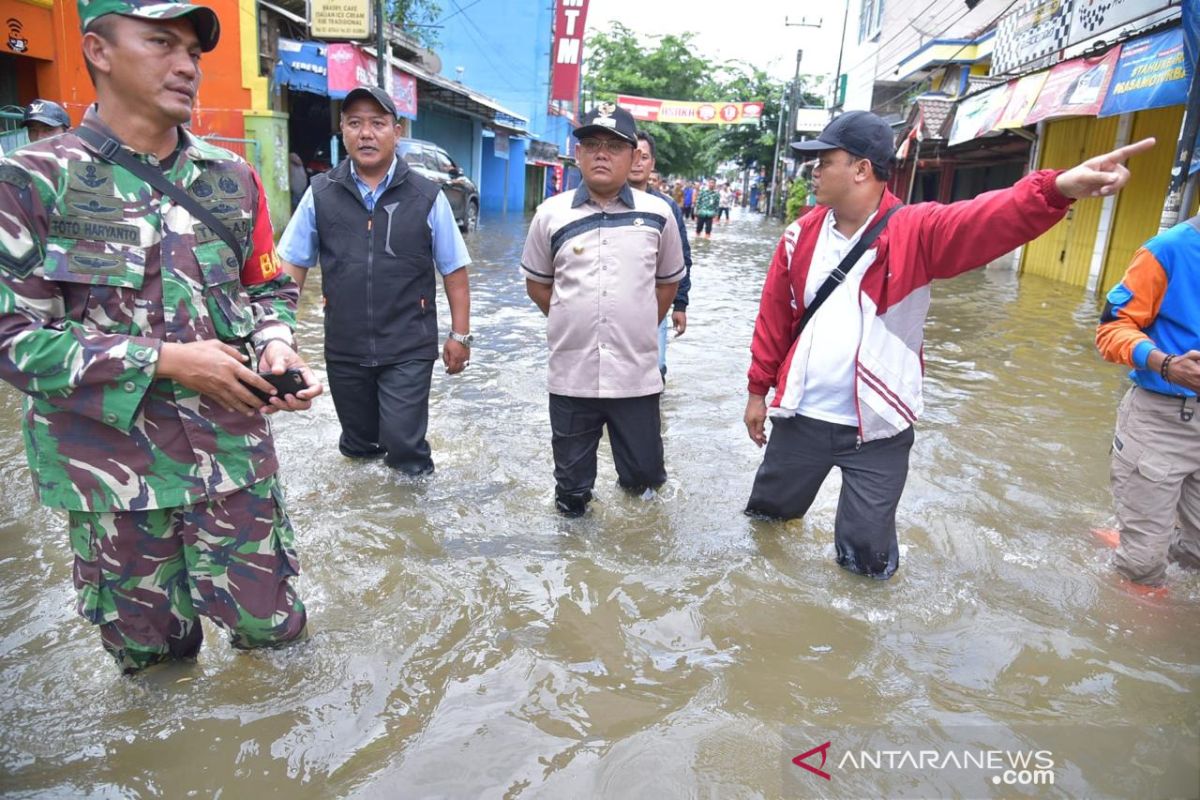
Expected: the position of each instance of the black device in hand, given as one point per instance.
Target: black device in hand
(290, 382)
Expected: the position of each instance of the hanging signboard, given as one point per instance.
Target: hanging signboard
(1091, 18)
(650, 109)
(1150, 74)
(341, 19)
(978, 114)
(1075, 88)
(567, 53)
(1024, 94)
(1035, 29)
(350, 67)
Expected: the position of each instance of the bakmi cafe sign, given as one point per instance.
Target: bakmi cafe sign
(340, 19)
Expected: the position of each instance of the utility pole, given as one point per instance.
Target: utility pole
(775, 164)
(793, 92)
(381, 47)
(795, 96)
(837, 75)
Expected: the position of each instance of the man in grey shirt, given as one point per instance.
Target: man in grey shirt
(603, 263)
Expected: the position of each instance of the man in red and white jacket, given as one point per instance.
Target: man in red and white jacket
(848, 390)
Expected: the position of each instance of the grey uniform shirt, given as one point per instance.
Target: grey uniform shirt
(604, 262)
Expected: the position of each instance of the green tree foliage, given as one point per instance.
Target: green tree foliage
(417, 18)
(797, 198)
(620, 61)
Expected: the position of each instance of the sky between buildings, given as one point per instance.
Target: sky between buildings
(748, 30)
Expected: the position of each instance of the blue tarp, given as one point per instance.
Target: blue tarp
(302, 67)
(1151, 73)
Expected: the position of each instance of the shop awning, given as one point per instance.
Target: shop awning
(302, 66)
(458, 97)
(306, 66)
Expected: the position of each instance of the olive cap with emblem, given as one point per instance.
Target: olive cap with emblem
(203, 18)
(611, 118)
(47, 113)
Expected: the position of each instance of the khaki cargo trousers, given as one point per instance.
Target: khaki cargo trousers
(1155, 474)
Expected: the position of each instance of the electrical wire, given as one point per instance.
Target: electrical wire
(900, 33)
(483, 45)
(952, 56)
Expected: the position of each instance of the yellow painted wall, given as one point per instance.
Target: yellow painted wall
(1139, 205)
(1064, 253)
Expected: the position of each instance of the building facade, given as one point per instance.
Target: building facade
(979, 93)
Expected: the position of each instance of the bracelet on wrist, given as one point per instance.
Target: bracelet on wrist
(1166, 365)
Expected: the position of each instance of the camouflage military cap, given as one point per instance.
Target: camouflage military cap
(208, 27)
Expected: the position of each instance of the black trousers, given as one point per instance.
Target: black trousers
(800, 454)
(703, 224)
(384, 411)
(576, 424)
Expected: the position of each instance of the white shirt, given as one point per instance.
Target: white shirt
(820, 381)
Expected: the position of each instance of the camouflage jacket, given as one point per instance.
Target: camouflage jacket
(97, 270)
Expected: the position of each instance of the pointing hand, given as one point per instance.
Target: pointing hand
(1102, 175)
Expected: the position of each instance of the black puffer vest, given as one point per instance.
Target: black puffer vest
(377, 268)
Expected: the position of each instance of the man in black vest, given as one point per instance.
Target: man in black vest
(380, 231)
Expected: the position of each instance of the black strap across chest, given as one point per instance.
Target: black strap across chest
(838, 276)
(113, 151)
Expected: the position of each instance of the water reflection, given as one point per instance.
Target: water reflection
(468, 642)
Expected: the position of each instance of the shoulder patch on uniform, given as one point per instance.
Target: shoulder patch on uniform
(14, 175)
(1119, 295)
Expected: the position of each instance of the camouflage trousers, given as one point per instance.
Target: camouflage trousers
(145, 576)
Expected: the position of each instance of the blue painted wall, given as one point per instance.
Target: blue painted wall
(494, 177)
(504, 53)
(458, 135)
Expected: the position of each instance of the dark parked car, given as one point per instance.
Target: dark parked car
(434, 163)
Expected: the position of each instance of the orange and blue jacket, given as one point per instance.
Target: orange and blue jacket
(1156, 306)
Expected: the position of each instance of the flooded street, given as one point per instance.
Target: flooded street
(468, 642)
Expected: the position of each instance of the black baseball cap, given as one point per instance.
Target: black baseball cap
(859, 133)
(371, 93)
(47, 113)
(611, 118)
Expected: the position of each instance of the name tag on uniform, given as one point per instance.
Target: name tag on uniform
(93, 229)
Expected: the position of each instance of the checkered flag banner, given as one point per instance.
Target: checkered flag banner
(1035, 29)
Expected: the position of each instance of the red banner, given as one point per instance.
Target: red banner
(569, 18)
(691, 112)
(350, 67)
(1075, 88)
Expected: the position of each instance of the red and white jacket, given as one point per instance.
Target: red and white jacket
(921, 242)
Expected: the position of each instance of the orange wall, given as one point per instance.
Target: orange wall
(222, 96)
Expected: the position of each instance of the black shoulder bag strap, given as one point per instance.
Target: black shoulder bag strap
(839, 274)
(113, 151)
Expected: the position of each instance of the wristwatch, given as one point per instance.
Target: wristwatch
(464, 339)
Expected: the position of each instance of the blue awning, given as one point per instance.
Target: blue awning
(302, 67)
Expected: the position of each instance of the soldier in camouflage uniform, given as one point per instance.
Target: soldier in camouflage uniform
(117, 308)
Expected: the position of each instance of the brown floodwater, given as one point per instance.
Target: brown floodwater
(467, 642)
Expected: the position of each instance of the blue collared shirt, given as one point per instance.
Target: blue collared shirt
(299, 245)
